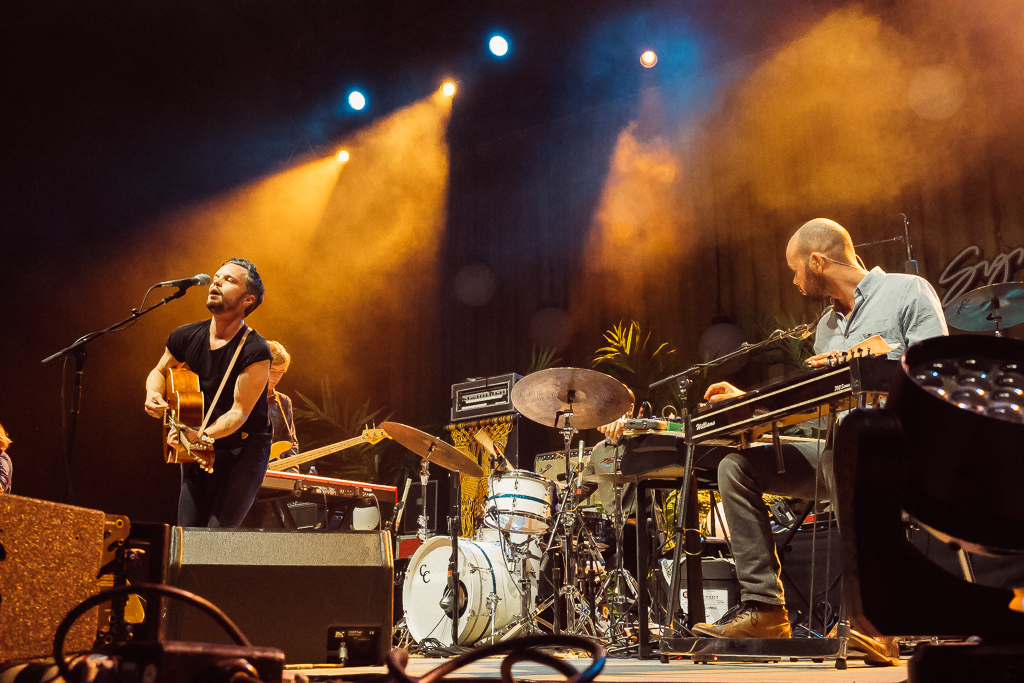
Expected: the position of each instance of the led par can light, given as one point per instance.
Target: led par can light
(960, 402)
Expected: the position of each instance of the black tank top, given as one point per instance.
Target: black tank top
(190, 344)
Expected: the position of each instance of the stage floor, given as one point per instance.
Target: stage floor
(632, 670)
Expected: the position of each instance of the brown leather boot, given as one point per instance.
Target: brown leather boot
(883, 651)
(753, 620)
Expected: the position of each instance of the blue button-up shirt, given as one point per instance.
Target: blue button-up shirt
(901, 308)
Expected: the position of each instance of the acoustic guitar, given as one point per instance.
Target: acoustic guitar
(279, 447)
(183, 395)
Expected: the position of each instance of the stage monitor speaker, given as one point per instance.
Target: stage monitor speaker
(318, 597)
(50, 556)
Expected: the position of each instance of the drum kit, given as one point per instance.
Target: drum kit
(464, 591)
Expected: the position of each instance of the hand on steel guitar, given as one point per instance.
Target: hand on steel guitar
(719, 391)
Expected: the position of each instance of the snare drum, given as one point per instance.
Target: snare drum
(482, 571)
(518, 501)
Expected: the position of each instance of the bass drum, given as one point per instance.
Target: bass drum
(482, 572)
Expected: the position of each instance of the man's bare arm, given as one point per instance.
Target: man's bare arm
(155, 404)
(250, 387)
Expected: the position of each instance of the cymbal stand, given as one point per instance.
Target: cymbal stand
(579, 619)
(421, 520)
(620, 587)
(593, 593)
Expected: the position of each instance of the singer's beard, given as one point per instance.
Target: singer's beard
(219, 305)
(815, 286)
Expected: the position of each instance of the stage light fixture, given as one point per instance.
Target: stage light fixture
(648, 59)
(448, 88)
(498, 46)
(343, 156)
(356, 100)
(947, 439)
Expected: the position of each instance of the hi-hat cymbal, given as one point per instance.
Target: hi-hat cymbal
(432, 449)
(594, 398)
(987, 308)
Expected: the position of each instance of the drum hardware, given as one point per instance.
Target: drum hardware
(570, 399)
(581, 612)
(432, 449)
(620, 589)
(991, 308)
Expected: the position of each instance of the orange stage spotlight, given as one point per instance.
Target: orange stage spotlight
(448, 89)
(648, 59)
(343, 156)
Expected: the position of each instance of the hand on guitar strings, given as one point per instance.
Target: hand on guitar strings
(191, 436)
(155, 404)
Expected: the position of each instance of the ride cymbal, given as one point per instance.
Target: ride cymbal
(586, 397)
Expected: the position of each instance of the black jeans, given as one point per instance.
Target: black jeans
(223, 498)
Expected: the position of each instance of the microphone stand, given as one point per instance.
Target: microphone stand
(78, 350)
(683, 380)
(911, 265)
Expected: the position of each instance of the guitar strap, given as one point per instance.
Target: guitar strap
(224, 380)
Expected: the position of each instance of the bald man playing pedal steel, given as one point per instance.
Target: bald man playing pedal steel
(902, 309)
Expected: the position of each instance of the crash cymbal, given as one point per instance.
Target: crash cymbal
(432, 449)
(987, 308)
(595, 398)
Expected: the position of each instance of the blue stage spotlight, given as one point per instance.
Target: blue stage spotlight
(356, 100)
(498, 46)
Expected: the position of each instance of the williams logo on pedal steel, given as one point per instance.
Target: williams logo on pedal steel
(705, 424)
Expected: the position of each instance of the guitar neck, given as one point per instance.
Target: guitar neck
(285, 463)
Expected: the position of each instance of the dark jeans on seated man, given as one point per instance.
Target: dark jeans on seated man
(743, 477)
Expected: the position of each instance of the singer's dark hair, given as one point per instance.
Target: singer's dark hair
(253, 282)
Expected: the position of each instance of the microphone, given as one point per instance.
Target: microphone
(201, 280)
(911, 265)
(811, 328)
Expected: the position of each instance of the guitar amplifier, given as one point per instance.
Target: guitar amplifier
(483, 397)
(552, 465)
